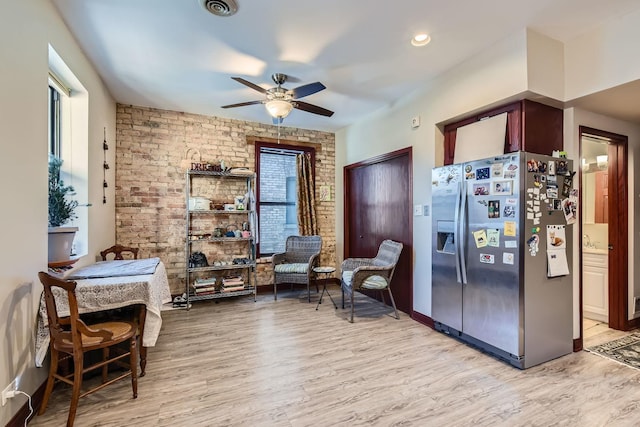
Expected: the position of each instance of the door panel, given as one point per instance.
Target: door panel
(378, 206)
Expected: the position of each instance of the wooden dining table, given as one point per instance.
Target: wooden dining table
(109, 285)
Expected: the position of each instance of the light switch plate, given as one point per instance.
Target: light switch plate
(415, 121)
(417, 210)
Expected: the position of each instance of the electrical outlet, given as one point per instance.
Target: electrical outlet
(6, 393)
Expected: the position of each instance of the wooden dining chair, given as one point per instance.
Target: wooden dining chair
(71, 338)
(117, 250)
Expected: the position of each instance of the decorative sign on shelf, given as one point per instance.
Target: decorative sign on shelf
(105, 147)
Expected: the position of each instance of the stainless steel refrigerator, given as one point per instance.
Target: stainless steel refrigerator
(502, 245)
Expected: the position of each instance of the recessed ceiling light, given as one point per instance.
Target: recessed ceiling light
(420, 39)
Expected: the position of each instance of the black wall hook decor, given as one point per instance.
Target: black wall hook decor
(105, 166)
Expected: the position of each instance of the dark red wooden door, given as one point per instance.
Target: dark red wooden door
(378, 206)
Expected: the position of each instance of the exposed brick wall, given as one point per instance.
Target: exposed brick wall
(151, 145)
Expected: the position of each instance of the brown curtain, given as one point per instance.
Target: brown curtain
(307, 219)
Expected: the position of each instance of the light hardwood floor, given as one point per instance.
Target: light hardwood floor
(282, 363)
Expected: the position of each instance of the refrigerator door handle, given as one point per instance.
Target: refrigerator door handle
(456, 231)
(462, 232)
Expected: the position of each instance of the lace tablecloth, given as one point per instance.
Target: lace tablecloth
(107, 293)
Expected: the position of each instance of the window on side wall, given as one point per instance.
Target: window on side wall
(54, 121)
(276, 194)
(68, 139)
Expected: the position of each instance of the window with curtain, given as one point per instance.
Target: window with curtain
(276, 194)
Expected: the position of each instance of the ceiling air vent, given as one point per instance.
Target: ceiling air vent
(220, 7)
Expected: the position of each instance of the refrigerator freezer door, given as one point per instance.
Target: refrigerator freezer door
(446, 280)
(492, 310)
(548, 302)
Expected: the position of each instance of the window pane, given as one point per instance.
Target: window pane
(54, 122)
(273, 228)
(277, 191)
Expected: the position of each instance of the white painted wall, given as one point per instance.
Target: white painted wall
(545, 62)
(604, 57)
(26, 29)
(573, 119)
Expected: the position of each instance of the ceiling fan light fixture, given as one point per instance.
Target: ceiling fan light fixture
(278, 108)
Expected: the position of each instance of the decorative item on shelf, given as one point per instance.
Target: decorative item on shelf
(199, 204)
(191, 156)
(239, 202)
(241, 171)
(198, 259)
(231, 231)
(105, 166)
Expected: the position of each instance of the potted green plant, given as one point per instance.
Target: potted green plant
(61, 211)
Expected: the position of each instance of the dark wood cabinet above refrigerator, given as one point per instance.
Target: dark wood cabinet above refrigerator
(531, 126)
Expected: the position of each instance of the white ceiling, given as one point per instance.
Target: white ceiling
(172, 54)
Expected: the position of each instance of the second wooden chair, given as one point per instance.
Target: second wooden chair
(117, 250)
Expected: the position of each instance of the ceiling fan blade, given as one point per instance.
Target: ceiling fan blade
(251, 85)
(310, 108)
(241, 104)
(306, 90)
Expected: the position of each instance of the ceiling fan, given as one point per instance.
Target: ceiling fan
(280, 101)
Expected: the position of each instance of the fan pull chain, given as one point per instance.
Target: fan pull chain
(278, 131)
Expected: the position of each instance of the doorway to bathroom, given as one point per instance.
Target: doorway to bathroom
(604, 293)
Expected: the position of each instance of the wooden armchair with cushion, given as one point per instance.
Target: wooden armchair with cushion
(371, 273)
(117, 250)
(296, 263)
(71, 338)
